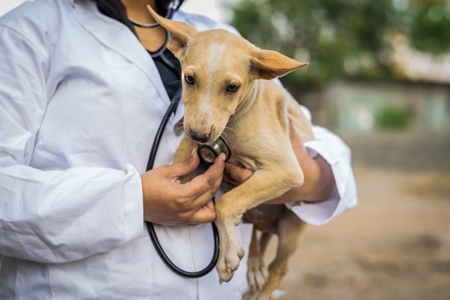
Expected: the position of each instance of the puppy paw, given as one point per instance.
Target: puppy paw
(229, 262)
(257, 273)
(255, 295)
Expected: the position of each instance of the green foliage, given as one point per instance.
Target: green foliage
(430, 27)
(337, 37)
(391, 117)
(342, 38)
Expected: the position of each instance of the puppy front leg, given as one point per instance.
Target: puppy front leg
(183, 151)
(265, 184)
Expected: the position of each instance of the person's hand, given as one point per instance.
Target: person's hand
(234, 176)
(169, 202)
(319, 179)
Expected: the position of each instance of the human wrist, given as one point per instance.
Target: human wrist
(321, 181)
(145, 196)
(317, 185)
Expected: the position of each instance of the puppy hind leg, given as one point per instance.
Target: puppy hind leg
(264, 241)
(290, 230)
(257, 271)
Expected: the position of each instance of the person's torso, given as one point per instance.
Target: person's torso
(105, 103)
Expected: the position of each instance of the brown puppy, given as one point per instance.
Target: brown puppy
(228, 92)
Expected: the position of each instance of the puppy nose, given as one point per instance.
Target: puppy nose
(199, 137)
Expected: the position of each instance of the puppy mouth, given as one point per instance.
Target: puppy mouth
(199, 141)
(202, 138)
(198, 138)
(203, 141)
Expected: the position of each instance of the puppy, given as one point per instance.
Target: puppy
(228, 92)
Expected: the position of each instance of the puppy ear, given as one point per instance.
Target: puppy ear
(271, 64)
(179, 32)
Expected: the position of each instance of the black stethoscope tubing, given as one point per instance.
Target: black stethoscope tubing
(151, 229)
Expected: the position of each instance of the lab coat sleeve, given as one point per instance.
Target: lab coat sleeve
(343, 196)
(53, 216)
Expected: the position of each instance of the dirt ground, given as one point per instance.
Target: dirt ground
(395, 245)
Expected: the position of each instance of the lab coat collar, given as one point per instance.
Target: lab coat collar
(107, 30)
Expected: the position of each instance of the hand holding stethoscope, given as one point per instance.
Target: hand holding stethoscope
(167, 202)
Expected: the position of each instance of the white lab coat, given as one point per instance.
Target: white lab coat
(80, 103)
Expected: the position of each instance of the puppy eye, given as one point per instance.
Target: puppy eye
(232, 88)
(189, 79)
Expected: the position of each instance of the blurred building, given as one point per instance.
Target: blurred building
(387, 123)
(353, 105)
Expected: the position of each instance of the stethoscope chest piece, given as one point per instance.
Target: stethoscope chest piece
(209, 152)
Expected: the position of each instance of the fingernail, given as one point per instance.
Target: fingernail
(224, 157)
(193, 151)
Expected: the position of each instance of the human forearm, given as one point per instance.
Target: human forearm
(343, 196)
(318, 184)
(318, 176)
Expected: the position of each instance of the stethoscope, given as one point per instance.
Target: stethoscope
(207, 153)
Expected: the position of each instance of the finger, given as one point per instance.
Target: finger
(215, 172)
(204, 214)
(216, 169)
(227, 185)
(237, 174)
(186, 167)
(202, 188)
(211, 179)
(228, 182)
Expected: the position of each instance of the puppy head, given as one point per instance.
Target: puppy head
(218, 71)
